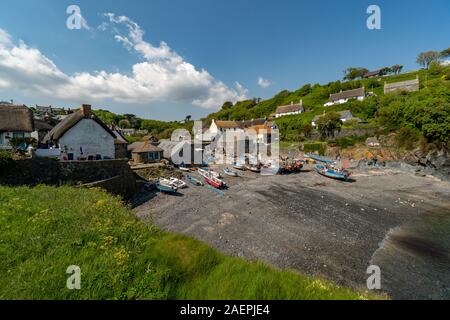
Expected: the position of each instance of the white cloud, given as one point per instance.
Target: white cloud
(263, 83)
(162, 75)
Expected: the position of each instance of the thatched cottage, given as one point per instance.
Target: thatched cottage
(15, 122)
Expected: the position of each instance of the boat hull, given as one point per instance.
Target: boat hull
(166, 189)
(342, 176)
(194, 181)
(213, 183)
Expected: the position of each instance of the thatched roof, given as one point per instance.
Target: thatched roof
(42, 125)
(15, 118)
(361, 92)
(147, 147)
(70, 121)
(290, 108)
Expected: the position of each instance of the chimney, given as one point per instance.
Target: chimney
(86, 109)
(292, 103)
(301, 102)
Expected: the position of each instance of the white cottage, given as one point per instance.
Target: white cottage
(345, 96)
(83, 136)
(15, 122)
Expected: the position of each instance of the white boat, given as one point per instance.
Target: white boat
(231, 173)
(185, 169)
(209, 173)
(165, 186)
(180, 184)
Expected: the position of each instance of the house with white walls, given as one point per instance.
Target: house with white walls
(83, 136)
(289, 110)
(15, 122)
(344, 96)
(345, 115)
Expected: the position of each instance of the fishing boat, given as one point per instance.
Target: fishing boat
(319, 158)
(165, 186)
(230, 173)
(215, 182)
(332, 172)
(255, 169)
(208, 172)
(180, 184)
(212, 178)
(239, 166)
(194, 181)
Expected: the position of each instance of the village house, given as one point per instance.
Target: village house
(345, 96)
(120, 145)
(289, 110)
(345, 115)
(41, 129)
(83, 136)
(408, 86)
(15, 122)
(373, 74)
(147, 152)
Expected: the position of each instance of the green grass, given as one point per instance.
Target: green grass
(44, 230)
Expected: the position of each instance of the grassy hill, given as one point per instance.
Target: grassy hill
(425, 114)
(44, 230)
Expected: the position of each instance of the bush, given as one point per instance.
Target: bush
(447, 75)
(6, 160)
(407, 138)
(346, 142)
(319, 147)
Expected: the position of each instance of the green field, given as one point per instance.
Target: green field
(44, 230)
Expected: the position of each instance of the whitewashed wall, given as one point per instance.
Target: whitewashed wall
(89, 135)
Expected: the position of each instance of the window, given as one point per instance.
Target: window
(157, 156)
(151, 156)
(1, 138)
(18, 135)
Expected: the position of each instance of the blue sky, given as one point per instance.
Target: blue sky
(214, 50)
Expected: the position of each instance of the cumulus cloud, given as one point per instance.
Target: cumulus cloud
(263, 83)
(162, 74)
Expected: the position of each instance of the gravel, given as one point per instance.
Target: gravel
(304, 221)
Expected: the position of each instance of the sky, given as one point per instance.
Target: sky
(166, 59)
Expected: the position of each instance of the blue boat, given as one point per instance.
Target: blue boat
(164, 186)
(332, 173)
(194, 181)
(319, 158)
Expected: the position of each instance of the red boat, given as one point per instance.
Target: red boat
(215, 182)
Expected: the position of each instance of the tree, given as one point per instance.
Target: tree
(188, 118)
(354, 73)
(328, 124)
(426, 58)
(227, 105)
(385, 71)
(396, 69)
(435, 68)
(124, 124)
(445, 53)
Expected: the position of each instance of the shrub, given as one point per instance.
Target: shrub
(407, 138)
(319, 147)
(6, 160)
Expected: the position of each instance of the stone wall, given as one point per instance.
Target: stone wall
(47, 171)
